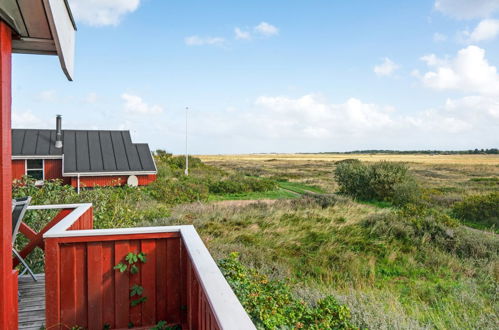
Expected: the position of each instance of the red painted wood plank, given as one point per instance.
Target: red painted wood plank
(127, 237)
(121, 286)
(81, 300)
(38, 241)
(184, 271)
(148, 274)
(18, 169)
(202, 322)
(14, 298)
(52, 281)
(161, 288)
(8, 311)
(68, 285)
(27, 231)
(194, 299)
(108, 290)
(173, 283)
(135, 279)
(94, 275)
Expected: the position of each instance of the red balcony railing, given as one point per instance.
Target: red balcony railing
(180, 282)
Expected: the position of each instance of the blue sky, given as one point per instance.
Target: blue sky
(275, 76)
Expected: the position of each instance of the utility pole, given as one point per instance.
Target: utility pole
(186, 153)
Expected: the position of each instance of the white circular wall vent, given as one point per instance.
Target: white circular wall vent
(132, 181)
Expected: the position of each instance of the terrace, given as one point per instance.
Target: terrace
(181, 283)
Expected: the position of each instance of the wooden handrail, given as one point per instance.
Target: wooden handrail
(205, 288)
(36, 238)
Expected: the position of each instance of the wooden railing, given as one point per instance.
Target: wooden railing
(180, 280)
(84, 220)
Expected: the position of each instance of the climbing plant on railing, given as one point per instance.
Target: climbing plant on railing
(130, 266)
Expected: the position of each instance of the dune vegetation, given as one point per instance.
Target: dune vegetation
(314, 243)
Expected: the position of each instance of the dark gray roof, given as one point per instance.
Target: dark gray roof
(86, 151)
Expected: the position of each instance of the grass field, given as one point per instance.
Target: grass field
(394, 267)
(415, 158)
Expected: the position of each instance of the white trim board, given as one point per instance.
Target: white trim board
(83, 174)
(36, 157)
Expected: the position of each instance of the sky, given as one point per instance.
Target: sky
(275, 76)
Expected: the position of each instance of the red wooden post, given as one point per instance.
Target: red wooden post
(8, 280)
(52, 284)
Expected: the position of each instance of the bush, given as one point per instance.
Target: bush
(240, 184)
(419, 226)
(382, 181)
(482, 209)
(406, 192)
(322, 200)
(271, 305)
(176, 162)
(175, 191)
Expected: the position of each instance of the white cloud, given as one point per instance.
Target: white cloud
(469, 71)
(47, 96)
(27, 119)
(241, 34)
(439, 37)
(91, 98)
(135, 105)
(485, 30)
(387, 68)
(201, 41)
(467, 9)
(310, 123)
(267, 30)
(102, 12)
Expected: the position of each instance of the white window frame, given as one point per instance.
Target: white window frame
(38, 182)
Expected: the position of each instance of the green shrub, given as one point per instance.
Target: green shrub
(406, 192)
(419, 226)
(175, 191)
(381, 181)
(176, 162)
(271, 305)
(240, 184)
(353, 179)
(482, 209)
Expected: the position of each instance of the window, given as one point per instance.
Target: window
(34, 169)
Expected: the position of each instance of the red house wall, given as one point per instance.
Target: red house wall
(53, 170)
(18, 169)
(110, 181)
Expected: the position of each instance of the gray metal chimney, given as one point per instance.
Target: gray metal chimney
(58, 131)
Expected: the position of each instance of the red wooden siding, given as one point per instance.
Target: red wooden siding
(53, 170)
(106, 181)
(89, 293)
(18, 169)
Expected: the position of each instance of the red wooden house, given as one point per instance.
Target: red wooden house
(81, 158)
(81, 287)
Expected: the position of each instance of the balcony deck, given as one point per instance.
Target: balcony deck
(180, 281)
(31, 302)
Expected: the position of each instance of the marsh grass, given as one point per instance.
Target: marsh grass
(411, 268)
(393, 270)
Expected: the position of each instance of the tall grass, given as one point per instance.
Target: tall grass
(395, 269)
